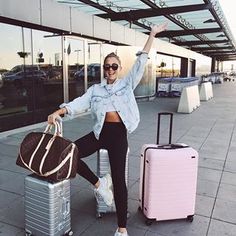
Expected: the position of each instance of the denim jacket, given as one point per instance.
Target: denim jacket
(120, 93)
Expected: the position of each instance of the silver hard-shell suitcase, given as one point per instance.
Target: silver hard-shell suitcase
(103, 167)
(47, 207)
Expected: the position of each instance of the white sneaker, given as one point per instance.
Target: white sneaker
(104, 189)
(120, 234)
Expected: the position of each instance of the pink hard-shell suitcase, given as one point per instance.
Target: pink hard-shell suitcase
(168, 179)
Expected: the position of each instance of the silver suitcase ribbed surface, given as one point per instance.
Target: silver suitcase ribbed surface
(103, 167)
(47, 207)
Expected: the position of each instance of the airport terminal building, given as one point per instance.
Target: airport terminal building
(52, 51)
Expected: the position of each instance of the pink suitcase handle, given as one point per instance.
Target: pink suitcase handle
(171, 146)
(170, 127)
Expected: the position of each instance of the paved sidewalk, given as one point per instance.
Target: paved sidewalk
(210, 129)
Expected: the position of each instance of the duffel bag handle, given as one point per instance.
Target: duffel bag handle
(57, 127)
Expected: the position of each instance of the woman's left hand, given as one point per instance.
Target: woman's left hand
(159, 28)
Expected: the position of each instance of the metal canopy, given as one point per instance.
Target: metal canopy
(199, 25)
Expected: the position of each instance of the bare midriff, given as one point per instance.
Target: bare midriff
(112, 116)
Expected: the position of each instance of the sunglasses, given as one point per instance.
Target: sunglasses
(114, 66)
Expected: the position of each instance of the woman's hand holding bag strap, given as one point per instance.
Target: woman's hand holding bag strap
(49, 155)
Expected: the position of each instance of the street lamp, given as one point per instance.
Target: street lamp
(23, 55)
(77, 51)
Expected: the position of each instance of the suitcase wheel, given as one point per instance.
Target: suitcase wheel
(190, 218)
(128, 214)
(149, 222)
(70, 233)
(28, 234)
(98, 215)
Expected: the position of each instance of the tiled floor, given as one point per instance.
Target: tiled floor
(210, 129)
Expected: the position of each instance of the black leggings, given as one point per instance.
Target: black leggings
(113, 137)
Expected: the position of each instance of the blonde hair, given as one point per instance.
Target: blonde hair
(112, 54)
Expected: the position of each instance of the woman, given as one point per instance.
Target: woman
(115, 112)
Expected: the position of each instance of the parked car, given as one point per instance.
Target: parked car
(20, 73)
(73, 69)
(94, 72)
(20, 68)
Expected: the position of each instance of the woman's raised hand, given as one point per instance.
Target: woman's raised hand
(158, 28)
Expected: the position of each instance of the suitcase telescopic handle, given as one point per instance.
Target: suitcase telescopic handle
(170, 127)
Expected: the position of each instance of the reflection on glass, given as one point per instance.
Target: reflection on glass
(167, 66)
(93, 73)
(31, 76)
(75, 64)
(94, 66)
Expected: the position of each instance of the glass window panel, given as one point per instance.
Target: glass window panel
(75, 67)
(167, 66)
(48, 91)
(11, 43)
(30, 81)
(94, 65)
(13, 100)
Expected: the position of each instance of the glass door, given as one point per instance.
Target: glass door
(74, 62)
(82, 59)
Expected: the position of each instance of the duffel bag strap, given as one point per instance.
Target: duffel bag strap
(58, 132)
(68, 156)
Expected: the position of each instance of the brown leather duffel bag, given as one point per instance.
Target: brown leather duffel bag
(49, 155)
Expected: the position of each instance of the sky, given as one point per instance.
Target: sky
(228, 7)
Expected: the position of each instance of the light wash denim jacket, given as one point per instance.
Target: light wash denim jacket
(120, 93)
